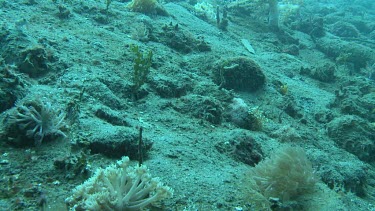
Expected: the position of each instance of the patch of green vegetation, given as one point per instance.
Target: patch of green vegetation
(141, 68)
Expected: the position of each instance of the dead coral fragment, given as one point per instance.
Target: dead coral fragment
(119, 187)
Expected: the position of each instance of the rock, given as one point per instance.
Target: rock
(239, 73)
(355, 135)
(241, 146)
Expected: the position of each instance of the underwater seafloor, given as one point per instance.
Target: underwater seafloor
(217, 97)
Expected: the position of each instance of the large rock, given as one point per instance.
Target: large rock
(238, 73)
(355, 135)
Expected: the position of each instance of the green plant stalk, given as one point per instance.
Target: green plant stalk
(141, 68)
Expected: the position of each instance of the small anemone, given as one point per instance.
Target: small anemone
(39, 119)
